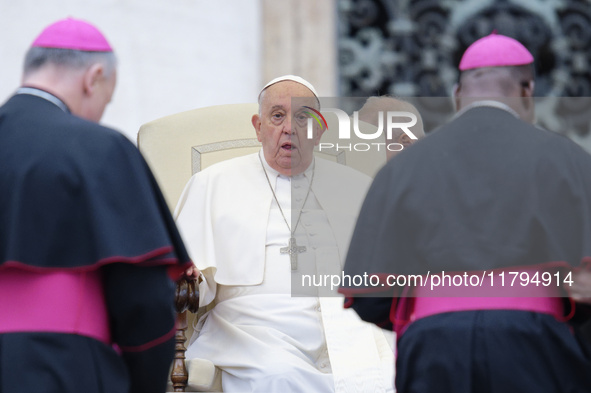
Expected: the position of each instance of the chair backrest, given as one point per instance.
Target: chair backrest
(179, 145)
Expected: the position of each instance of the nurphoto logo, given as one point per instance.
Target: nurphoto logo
(394, 120)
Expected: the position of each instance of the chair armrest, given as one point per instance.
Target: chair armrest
(186, 299)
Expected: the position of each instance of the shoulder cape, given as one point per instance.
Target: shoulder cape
(485, 191)
(76, 194)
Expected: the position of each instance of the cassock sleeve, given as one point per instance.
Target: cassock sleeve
(374, 310)
(372, 304)
(140, 303)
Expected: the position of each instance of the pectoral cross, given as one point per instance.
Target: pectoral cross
(293, 250)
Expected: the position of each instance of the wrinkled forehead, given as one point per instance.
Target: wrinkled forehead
(284, 94)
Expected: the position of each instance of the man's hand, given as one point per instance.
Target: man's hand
(580, 291)
(192, 273)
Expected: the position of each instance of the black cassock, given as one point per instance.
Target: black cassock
(78, 197)
(485, 191)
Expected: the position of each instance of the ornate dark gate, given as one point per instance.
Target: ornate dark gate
(411, 48)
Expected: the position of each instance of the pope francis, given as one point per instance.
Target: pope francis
(254, 225)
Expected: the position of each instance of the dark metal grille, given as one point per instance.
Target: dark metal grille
(412, 47)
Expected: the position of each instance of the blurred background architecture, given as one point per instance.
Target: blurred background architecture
(183, 54)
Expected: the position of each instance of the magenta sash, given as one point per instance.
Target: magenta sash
(60, 301)
(426, 301)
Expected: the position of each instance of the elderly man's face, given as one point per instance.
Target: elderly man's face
(283, 130)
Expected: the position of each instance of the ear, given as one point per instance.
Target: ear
(456, 93)
(318, 134)
(527, 93)
(93, 75)
(404, 140)
(527, 90)
(256, 123)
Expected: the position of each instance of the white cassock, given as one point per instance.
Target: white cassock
(262, 332)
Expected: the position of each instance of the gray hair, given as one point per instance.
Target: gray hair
(37, 57)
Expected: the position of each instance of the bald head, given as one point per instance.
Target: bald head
(496, 81)
(370, 113)
(512, 85)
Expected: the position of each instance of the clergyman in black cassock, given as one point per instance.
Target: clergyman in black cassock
(487, 192)
(87, 243)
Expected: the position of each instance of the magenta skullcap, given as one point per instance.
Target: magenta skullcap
(73, 34)
(495, 50)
